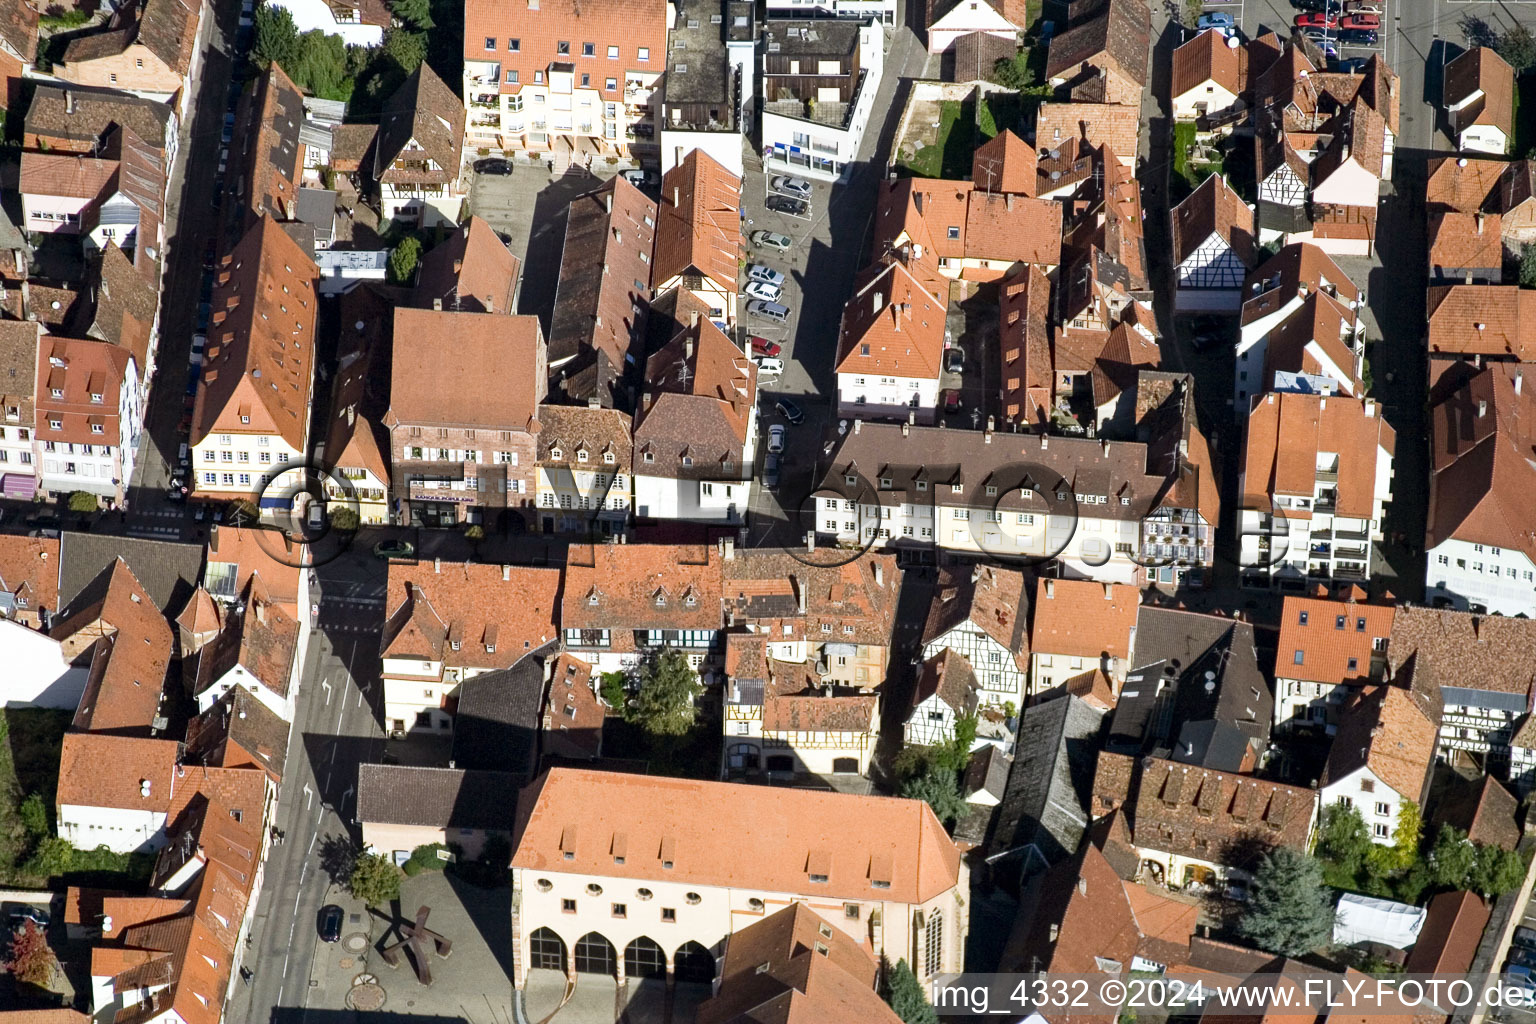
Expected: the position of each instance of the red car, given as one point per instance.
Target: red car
(764, 347)
(1317, 19)
(1363, 21)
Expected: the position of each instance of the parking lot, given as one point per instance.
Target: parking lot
(1255, 17)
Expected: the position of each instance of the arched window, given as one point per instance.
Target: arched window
(643, 958)
(546, 951)
(933, 949)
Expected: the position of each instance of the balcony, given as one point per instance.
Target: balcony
(1349, 571)
(1351, 551)
(1328, 476)
(1351, 535)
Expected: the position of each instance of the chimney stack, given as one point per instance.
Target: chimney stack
(506, 574)
(458, 266)
(1050, 590)
(693, 318)
(896, 316)
(69, 101)
(437, 566)
(879, 301)
(859, 423)
(1479, 220)
(608, 202)
(677, 196)
(437, 305)
(1008, 202)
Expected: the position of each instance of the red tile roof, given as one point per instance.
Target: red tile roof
(29, 570)
(894, 323)
(573, 714)
(1213, 208)
(625, 587)
(1391, 730)
(700, 222)
(1464, 183)
(1098, 124)
(428, 390)
(1004, 163)
(1199, 813)
(1482, 439)
(142, 776)
(79, 386)
(494, 614)
(1483, 319)
(1081, 618)
(1328, 647)
(632, 25)
(700, 390)
(1208, 58)
(128, 667)
(1024, 346)
(1465, 241)
(1452, 929)
(471, 271)
(1288, 433)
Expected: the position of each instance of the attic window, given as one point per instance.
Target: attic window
(592, 599)
(661, 600)
(690, 600)
(650, 456)
(850, 479)
(1359, 625)
(820, 879)
(885, 481)
(454, 644)
(991, 490)
(1303, 618)
(608, 458)
(1338, 622)
(96, 397)
(555, 453)
(581, 455)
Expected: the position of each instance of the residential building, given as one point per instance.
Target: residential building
(499, 718)
(883, 11)
(89, 418)
(1316, 479)
(1382, 754)
(126, 312)
(695, 440)
(970, 17)
(1093, 126)
(1516, 198)
(265, 150)
(124, 809)
(1079, 626)
(1479, 550)
(116, 194)
(1452, 930)
(1465, 248)
(357, 444)
(239, 731)
(602, 298)
(471, 271)
(418, 152)
(1482, 808)
(1210, 75)
(837, 620)
(38, 674)
(18, 50)
(1308, 306)
(356, 22)
(982, 613)
(572, 726)
(1328, 650)
(1480, 323)
(1104, 57)
(584, 840)
(29, 580)
(819, 80)
(116, 630)
(1479, 98)
(151, 50)
(965, 231)
(445, 624)
(711, 50)
(1469, 184)
(1188, 823)
(966, 491)
(795, 961)
(236, 556)
(891, 342)
(698, 234)
(622, 602)
(455, 461)
(565, 77)
(402, 807)
(257, 650)
(946, 691)
(1492, 659)
(1005, 163)
(783, 721)
(1213, 247)
(251, 415)
(1025, 334)
(168, 571)
(584, 482)
(65, 119)
(20, 342)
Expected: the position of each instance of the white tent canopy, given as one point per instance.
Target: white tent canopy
(1366, 919)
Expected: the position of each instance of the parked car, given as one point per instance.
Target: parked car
(771, 471)
(1524, 957)
(493, 165)
(764, 347)
(790, 411)
(1215, 19)
(767, 275)
(763, 290)
(954, 360)
(1362, 7)
(770, 240)
(394, 549)
(330, 923)
(1357, 36)
(1317, 19)
(786, 205)
(1525, 937)
(228, 131)
(1322, 39)
(1370, 21)
(797, 187)
(769, 365)
(640, 177)
(1316, 5)
(776, 433)
(765, 310)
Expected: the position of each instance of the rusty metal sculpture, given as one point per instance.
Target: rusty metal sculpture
(412, 938)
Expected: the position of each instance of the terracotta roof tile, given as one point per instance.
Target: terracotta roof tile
(1213, 208)
(698, 399)
(1489, 652)
(1099, 124)
(262, 639)
(700, 223)
(497, 613)
(78, 372)
(1118, 35)
(948, 675)
(627, 587)
(632, 25)
(1448, 940)
(260, 552)
(135, 762)
(266, 147)
(894, 323)
(1467, 184)
(71, 175)
(18, 30)
(854, 602)
(426, 389)
(1331, 652)
(993, 599)
(128, 666)
(1200, 813)
(1482, 439)
(1081, 618)
(573, 714)
(1024, 347)
(29, 571)
(1483, 319)
(1289, 433)
(397, 794)
(1208, 58)
(427, 113)
(1392, 730)
(1004, 163)
(1460, 241)
(74, 120)
(1480, 70)
(472, 271)
(1012, 229)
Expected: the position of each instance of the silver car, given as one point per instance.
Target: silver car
(798, 188)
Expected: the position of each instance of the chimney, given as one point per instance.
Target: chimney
(506, 574)
(1519, 376)
(458, 265)
(879, 575)
(799, 593)
(859, 423)
(906, 429)
(490, 304)
(728, 548)
(1050, 590)
(1008, 202)
(437, 305)
(437, 566)
(1370, 408)
(879, 301)
(608, 202)
(290, 208)
(261, 612)
(1109, 592)
(69, 101)
(896, 317)
(687, 348)
(693, 318)
(1479, 219)
(1482, 408)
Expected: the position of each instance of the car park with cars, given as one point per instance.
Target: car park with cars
(799, 188)
(767, 275)
(770, 240)
(787, 205)
(765, 310)
(763, 290)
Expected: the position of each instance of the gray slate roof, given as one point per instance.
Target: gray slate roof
(1044, 810)
(496, 727)
(394, 794)
(168, 570)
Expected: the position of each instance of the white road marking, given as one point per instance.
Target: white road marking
(309, 797)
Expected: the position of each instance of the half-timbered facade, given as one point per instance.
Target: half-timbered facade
(1212, 247)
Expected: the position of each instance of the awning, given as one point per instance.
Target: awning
(280, 501)
(18, 485)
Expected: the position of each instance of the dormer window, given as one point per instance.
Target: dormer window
(956, 488)
(885, 481)
(592, 599)
(661, 600)
(581, 455)
(650, 457)
(96, 398)
(556, 453)
(687, 460)
(922, 485)
(55, 424)
(97, 428)
(690, 600)
(58, 392)
(454, 644)
(490, 648)
(608, 458)
(850, 480)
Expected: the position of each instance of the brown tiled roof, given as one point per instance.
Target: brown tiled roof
(351, 146)
(20, 341)
(624, 587)
(496, 614)
(948, 675)
(18, 30)
(1327, 645)
(631, 25)
(1296, 268)
(993, 599)
(1014, 229)
(1112, 782)
(795, 967)
(1448, 940)
(472, 271)
(427, 389)
(1482, 439)
(856, 600)
(1081, 618)
(127, 302)
(261, 638)
(1484, 652)
(568, 818)
(1118, 34)
(698, 399)
(398, 794)
(267, 554)
(1483, 319)
(1465, 183)
(894, 323)
(1004, 163)
(169, 29)
(573, 715)
(1098, 124)
(1289, 432)
(1024, 346)
(1480, 69)
(700, 222)
(1490, 817)
(428, 113)
(788, 706)
(605, 273)
(128, 667)
(1216, 816)
(902, 211)
(1213, 207)
(1516, 184)
(261, 339)
(1311, 340)
(1391, 730)
(1208, 58)
(573, 429)
(108, 42)
(29, 570)
(134, 762)
(75, 119)
(1464, 240)
(80, 371)
(267, 153)
(239, 731)
(74, 175)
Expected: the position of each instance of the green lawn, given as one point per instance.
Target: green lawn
(952, 149)
(29, 763)
(1183, 139)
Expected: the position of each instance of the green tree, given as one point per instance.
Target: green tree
(956, 753)
(1343, 839)
(1290, 910)
(374, 879)
(83, 501)
(1496, 870)
(664, 705)
(344, 517)
(424, 858)
(1009, 73)
(1451, 858)
(611, 689)
(30, 958)
(34, 816)
(277, 38)
(939, 788)
(403, 258)
(1518, 47)
(1528, 266)
(904, 993)
(51, 858)
(416, 13)
(1404, 850)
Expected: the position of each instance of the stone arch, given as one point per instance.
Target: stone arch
(595, 955)
(644, 958)
(692, 962)
(546, 951)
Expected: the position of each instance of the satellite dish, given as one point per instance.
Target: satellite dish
(1233, 42)
(1055, 175)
